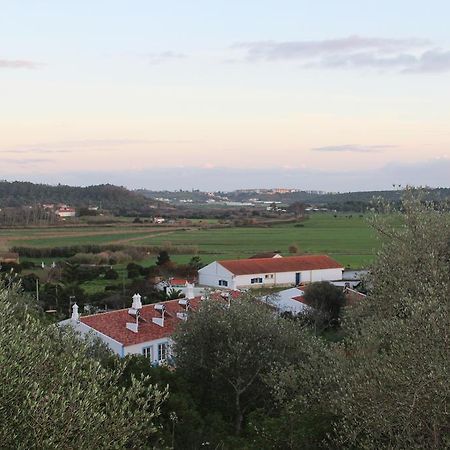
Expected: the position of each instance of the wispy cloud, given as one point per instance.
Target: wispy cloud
(355, 148)
(18, 64)
(87, 145)
(411, 55)
(24, 162)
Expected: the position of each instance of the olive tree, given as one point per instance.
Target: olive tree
(396, 389)
(228, 349)
(55, 395)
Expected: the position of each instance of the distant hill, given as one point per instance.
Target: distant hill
(341, 201)
(106, 196)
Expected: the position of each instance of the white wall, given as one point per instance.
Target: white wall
(212, 273)
(85, 331)
(288, 278)
(137, 349)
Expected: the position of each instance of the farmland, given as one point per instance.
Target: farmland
(347, 238)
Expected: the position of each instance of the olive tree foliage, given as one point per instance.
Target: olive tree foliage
(387, 384)
(54, 394)
(326, 301)
(227, 350)
(396, 384)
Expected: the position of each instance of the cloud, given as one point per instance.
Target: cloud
(353, 148)
(158, 58)
(88, 145)
(24, 162)
(18, 64)
(410, 55)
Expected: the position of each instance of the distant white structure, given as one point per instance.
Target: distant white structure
(266, 272)
(65, 211)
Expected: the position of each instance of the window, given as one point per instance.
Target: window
(269, 276)
(256, 280)
(148, 353)
(223, 283)
(163, 351)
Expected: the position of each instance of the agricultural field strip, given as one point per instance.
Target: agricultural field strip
(90, 237)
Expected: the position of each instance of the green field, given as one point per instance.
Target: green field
(348, 239)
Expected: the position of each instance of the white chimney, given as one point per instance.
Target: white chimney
(75, 315)
(134, 327)
(190, 291)
(137, 304)
(159, 320)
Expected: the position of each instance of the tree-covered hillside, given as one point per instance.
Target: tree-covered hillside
(106, 196)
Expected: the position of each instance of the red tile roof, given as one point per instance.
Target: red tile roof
(113, 323)
(300, 299)
(178, 281)
(276, 265)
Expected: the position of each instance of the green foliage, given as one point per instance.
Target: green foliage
(163, 258)
(111, 274)
(396, 389)
(56, 395)
(326, 301)
(227, 351)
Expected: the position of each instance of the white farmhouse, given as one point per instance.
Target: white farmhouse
(266, 272)
(142, 329)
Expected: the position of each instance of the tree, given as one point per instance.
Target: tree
(196, 263)
(111, 274)
(326, 301)
(134, 270)
(55, 394)
(163, 258)
(396, 388)
(226, 351)
(297, 208)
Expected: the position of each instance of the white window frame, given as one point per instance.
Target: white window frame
(148, 352)
(163, 350)
(257, 280)
(223, 283)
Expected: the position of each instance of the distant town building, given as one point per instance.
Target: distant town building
(65, 211)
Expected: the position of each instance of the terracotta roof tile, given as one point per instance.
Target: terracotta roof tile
(113, 323)
(276, 265)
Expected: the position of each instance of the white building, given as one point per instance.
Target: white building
(142, 329)
(288, 301)
(266, 272)
(65, 212)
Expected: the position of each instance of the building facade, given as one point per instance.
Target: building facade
(267, 272)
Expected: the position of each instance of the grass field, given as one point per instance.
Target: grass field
(347, 239)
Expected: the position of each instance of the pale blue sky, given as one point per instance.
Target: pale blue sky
(328, 88)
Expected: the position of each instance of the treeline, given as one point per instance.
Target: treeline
(26, 216)
(72, 250)
(116, 199)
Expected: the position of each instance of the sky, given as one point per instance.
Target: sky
(221, 95)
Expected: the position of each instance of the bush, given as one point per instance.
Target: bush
(111, 274)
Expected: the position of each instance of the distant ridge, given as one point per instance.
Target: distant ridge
(106, 196)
